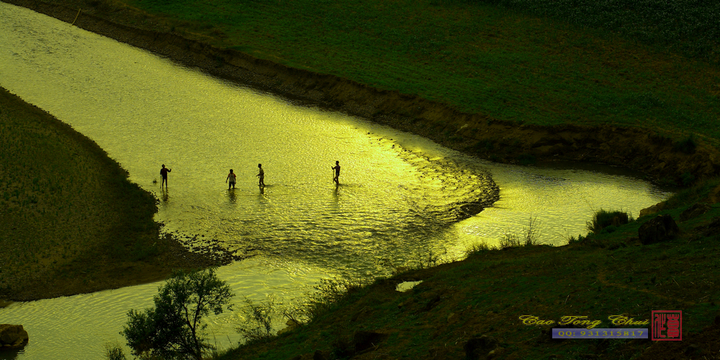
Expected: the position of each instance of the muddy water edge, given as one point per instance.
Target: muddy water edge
(640, 150)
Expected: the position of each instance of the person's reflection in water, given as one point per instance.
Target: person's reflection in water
(165, 195)
(231, 195)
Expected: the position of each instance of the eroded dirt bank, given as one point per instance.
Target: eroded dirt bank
(662, 159)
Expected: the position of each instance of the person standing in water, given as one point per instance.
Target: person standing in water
(164, 173)
(336, 178)
(261, 176)
(231, 179)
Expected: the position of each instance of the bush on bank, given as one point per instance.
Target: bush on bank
(174, 327)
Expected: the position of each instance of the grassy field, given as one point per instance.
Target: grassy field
(489, 59)
(639, 64)
(646, 64)
(71, 220)
(604, 274)
(687, 27)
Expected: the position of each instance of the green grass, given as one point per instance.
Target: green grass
(482, 58)
(684, 26)
(601, 275)
(71, 220)
(645, 64)
(607, 221)
(608, 274)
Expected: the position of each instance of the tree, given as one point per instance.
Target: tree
(173, 329)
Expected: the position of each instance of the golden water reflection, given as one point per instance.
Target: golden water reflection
(397, 202)
(146, 111)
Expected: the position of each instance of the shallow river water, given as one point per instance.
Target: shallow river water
(396, 205)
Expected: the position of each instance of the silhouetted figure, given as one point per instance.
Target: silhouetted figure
(164, 173)
(231, 179)
(336, 178)
(261, 176)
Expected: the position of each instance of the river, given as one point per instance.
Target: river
(396, 204)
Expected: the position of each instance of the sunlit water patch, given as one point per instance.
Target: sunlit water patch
(78, 327)
(402, 199)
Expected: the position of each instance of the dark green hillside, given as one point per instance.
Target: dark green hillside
(480, 58)
(688, 27)
(71, 220)
(634, 84)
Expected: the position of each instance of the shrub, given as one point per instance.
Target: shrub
(603, 219)
(173, 328)
(328, 293)
(528, 237)
(478, 248)
(114, 352)
(259, 324)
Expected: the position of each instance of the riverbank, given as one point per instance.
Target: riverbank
(604, 275)
(497, 304)
(72, 221)
(668, 151)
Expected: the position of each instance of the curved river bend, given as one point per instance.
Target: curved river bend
(397, 203)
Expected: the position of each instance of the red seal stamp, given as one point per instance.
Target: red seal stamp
(667, 325)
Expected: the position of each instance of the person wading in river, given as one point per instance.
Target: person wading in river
(261, 176)
(231, 179)
(336, 178)
(164, 172)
